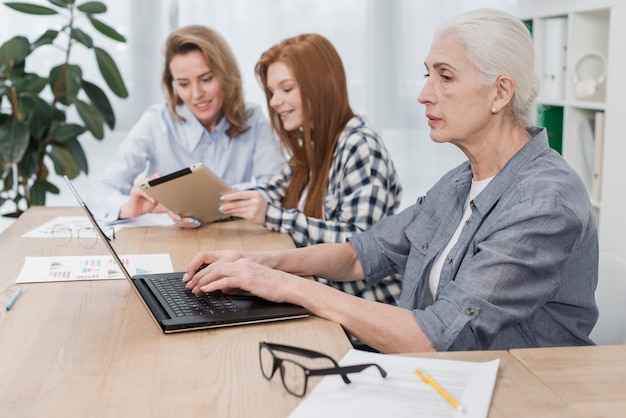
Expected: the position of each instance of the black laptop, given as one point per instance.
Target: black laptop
(176, 309)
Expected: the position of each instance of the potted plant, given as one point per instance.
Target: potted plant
(34, 129)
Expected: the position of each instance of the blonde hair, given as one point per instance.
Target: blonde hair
(220, 59)
(318, 71)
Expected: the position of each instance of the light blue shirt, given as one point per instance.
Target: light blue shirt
(525, 267)
(159, 143)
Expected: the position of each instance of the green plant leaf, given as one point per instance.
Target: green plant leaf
(30, 83)
(13, 51)
(65, 82)
(31, 9)
(64, 133)
(63, 160)
(18, 68)
(101, 102)
(93, 7)
(14, 138)
(38, 192)
(82, 37)
(27, 166)
(106, 30)
(52, 188)
(8, 179)
(6, 175)
(38, 114)
(74, 146)
(58, 115)
(46, 39)
(110, 73)
(62, 3)
(92, 118)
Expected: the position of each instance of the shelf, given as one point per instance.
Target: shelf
(591, 105)
(579, 45)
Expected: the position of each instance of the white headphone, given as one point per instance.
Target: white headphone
(589, 88)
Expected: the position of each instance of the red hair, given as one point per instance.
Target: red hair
(319, 73)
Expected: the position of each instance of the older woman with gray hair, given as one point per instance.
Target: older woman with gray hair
(502, 252)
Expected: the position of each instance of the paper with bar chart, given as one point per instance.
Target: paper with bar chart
(71, 268)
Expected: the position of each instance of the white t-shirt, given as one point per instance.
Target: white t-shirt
(435, 270)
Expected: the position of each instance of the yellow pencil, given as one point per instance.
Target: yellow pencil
(429, 380)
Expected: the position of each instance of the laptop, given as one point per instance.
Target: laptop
(176, 309)
(193, 192)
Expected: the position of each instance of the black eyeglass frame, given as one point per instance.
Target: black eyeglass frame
(277, 364)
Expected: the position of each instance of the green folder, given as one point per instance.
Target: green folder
(551, 118)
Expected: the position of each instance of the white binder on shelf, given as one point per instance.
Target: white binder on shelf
(554, 58)
(598, 144)
(586, 134)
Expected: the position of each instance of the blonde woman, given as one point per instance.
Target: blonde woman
(205, 119)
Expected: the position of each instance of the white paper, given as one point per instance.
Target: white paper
(74, 223)
(71, 268)
(402, 393)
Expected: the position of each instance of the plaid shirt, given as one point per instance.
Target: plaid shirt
(363, 187)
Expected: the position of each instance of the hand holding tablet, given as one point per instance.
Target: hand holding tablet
(193, 192)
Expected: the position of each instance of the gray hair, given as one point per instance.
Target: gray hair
(497, 44)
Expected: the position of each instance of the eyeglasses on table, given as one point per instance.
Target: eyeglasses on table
(86, 236)
(294, 375)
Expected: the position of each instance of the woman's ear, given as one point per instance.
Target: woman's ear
(505, 87)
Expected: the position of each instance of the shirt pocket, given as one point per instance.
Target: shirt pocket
(420, 234)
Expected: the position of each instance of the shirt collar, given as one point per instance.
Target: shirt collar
(537, 146)
(194, 129)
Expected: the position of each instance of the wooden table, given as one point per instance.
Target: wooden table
(592, 380)
(554, 382)
(90, 349)
(517, 392)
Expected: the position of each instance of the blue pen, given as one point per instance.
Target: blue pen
(16, 295)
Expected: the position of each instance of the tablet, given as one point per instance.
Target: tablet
(193, 192)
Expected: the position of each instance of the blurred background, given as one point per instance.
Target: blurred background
(383, 44)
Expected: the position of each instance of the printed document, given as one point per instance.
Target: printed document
(402, 393)
(90, 267)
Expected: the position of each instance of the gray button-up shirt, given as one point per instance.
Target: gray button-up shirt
(524, 270)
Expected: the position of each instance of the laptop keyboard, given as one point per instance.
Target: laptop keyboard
(184, 303)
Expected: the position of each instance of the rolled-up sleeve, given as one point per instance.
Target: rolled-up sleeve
(383, 250)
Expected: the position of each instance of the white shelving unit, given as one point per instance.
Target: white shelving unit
(593, 28)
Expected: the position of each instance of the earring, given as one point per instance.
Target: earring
(494, 110)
